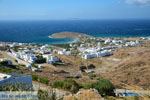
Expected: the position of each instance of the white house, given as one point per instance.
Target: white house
(29, 58)
(107, 41)
(97, 54)
(50, 58)
(104, 53)
(89, 55)
(64, 52)
(132, 43)
(53, 59)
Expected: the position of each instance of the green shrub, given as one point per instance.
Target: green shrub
(58, 84)
(86, 85)
(4, 63)
(40, 60)
(104, 87)
(44, 95)
(44, 80)
(91, 75)
(34, 77)
(6, 70)
(67, 84)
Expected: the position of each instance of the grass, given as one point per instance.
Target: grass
(40, 79)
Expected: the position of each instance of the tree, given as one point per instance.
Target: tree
(40, 60)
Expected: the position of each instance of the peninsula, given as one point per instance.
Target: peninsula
(74, 35)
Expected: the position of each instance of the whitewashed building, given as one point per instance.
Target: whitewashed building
(50, 58)
(97, 54)
(64, 52)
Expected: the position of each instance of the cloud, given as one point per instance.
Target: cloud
(138, 2)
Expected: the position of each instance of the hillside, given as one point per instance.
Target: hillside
(134, 69)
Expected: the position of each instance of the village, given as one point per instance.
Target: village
(30, 53)
(38, 59)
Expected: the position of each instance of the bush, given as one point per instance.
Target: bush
(91, 75)
(44, 95)
(43, 80)
(34, 77)
(6, 70)
(91, 66)
(4, 63)
(104, 87)
(68, 84)
(86, 86)
(40, 60)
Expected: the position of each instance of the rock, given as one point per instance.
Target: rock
(83, 94)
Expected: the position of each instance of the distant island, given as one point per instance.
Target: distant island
(74, 35)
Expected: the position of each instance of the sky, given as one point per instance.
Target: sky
(74, 9)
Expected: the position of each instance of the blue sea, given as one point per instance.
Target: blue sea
(38, 31)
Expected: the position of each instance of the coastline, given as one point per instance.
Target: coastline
(75, 36)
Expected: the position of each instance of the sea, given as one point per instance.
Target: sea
(38, 31)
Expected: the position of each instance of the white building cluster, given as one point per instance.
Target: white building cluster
(94, 53)
(27, 56)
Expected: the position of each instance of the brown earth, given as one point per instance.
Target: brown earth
(134, 69)
(84, 95)
(68, 35)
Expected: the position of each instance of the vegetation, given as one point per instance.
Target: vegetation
(34, 77)
(43, 80)
(4, 63)
(15, 87)
(6, 70)
(45, 95)
(104, 87)
(58, 63)
(91, 66)
(92, 75)
(67, 84)
(16, 48)
(40, 60)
